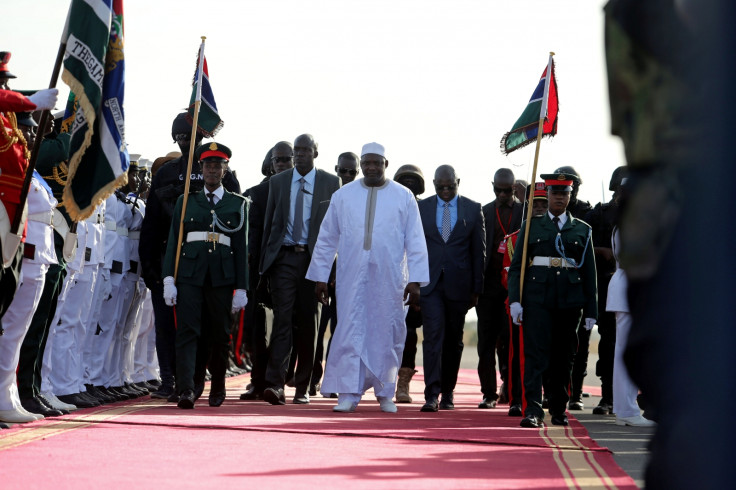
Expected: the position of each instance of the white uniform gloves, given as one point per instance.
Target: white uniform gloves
(517, 313)
(45, 99)
(589, 323)
(169, 291)
(240, 299)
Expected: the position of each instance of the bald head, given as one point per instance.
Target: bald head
(445, 172)
(503, 176)
(305, 151)
(503, 186)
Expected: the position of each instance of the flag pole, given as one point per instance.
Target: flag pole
(36, 145)
(540, 133)
(197, 102)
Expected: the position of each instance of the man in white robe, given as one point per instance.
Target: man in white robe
(373, 225)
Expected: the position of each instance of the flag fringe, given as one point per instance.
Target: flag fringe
(206, 134)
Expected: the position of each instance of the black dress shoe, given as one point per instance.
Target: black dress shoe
(301, 399)
(603, 408)
(116, 396)
(34, 406)
(186, 400)
(47, 404)
(216, 398)
(447, 403)
(78, 401)
(430, 406)
(86, 396)
(252, 394)
(274, 396)
(515, 411)
(559, 419)
(487, 403)
(135, 387)
(4, 425)
(174, 398)
(102, 397)
(531, 422)
(154, 382)
(163, 392)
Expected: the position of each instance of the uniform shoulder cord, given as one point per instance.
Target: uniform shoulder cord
(561, 249)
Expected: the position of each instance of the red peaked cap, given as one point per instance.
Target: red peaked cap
(4, 60)
(558, 182)
(213, 150)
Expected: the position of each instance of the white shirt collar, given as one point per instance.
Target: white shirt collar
(309, 178)
(563, 218)
(219, 192)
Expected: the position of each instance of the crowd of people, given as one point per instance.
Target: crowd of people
(159, 289)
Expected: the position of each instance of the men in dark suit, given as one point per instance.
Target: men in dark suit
(297, 203)
(559, 286)
(456, 243)
(212, 264)
(502, 217)
(279, 158)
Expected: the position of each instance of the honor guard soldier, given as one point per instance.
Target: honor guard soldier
(212, 265)
(559, 286)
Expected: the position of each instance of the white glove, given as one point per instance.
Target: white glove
(517, 312)
(45, 99)
(589, 323)
(169, 291)
(240, 299)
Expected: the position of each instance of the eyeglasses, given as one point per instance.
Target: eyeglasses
(504, 190)
(182, 137)
(347, 171)
(450, 187)
(281, 159)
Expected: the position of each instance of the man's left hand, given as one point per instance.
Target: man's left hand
(320, 291)
(411, 294)
(589, 323)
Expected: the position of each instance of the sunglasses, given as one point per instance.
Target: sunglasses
(281, 159)
(347, 171)
(182, 137)
(450, 187)
(503, 190)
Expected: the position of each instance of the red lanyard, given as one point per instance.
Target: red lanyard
(498, 217)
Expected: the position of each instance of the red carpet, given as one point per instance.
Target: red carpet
(147, 444)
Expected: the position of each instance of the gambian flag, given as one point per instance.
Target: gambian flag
(208, 122)
(94, 69)
(543, 104)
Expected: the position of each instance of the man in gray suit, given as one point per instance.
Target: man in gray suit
(455, 235)
(297, 202)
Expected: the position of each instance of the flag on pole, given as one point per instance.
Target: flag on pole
(94, 69)
(209, 122)
(543, 104)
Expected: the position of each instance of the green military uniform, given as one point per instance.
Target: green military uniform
(209, 272)
(554, 298)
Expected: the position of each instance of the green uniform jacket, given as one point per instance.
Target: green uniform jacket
(556, 287)
(227, 265)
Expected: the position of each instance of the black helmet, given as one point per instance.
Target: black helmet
(412, 170)
(568, 169)
(182, 125)
(618, 174)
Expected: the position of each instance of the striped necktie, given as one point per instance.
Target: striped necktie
(446, 222)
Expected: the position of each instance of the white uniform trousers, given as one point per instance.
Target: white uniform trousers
(46, 365)
(624, 390)
(102, 291)
(145, 363)
(69, 332)
(123, 342)
(104, 337)
(16, 322)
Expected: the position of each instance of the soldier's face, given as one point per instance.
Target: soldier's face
(29, 133)
(539, 207)
(558, 201)
(213, 172)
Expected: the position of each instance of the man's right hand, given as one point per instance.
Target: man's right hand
(169, 291)
(320, 291)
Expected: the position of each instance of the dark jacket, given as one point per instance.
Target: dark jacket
(462, 257)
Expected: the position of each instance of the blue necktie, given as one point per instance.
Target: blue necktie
(446, 222)
(298, 212)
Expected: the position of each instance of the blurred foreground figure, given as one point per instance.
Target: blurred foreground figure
(669, 92)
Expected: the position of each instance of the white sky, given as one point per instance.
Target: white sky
(436, 82)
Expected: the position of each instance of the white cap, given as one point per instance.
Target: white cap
(134, 157)
(374, 148)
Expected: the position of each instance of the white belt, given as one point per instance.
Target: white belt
(551, 262)
(112, 226)
(134, 235)
(206, 236)
(46, 218)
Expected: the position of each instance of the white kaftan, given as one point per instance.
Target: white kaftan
(378, 236)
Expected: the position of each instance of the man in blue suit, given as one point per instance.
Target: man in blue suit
(456, 242)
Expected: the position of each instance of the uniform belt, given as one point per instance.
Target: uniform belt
(134, 235)
(206, 236)
(46, 218)
(112, 226)
(295, 248)
(550, 262)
